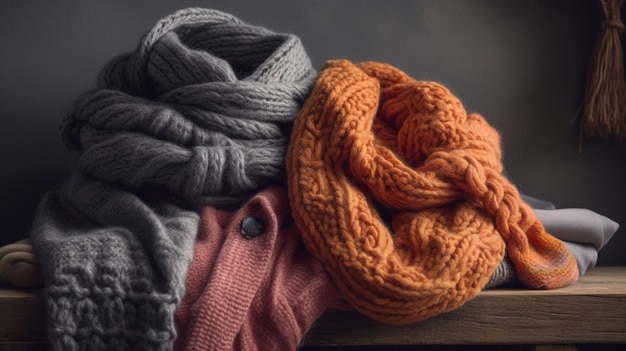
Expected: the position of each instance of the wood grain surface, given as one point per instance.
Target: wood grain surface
(592, 311)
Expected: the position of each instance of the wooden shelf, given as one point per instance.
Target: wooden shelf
(22, 319)
(592, 311)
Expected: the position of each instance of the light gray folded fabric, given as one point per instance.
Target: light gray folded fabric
(504, 275)
(586, 256)
(584, 231)
(114, 266)
(578, 225)
(538, 204)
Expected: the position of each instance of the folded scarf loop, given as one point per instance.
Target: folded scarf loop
(371, 146)
(200, 110)
(19, 265)
(252, 285)
(197, 114)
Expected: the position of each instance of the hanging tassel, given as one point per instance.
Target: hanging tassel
(604, 107)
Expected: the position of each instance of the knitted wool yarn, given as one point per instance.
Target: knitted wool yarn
(197, 114)
(244, 292)
(199, 110)
(114, 267)
(19, 265)
(372, 143)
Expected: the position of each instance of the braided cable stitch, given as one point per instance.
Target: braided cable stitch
(200, 109)
(373, 143)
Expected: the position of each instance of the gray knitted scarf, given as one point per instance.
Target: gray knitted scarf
(199, 112)
(114, 266)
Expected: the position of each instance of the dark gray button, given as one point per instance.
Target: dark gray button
(252, 226)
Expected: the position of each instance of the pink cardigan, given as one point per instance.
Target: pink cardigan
(251, 285)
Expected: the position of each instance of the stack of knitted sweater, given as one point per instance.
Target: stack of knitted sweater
(226, 194)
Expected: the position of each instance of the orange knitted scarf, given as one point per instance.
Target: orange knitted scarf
(372, 143)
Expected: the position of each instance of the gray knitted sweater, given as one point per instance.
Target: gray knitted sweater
(198, 114)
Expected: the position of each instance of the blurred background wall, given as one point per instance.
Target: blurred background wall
(521, 64)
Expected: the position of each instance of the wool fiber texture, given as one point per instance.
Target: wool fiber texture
(200, 111)
(251, 293)
(401, 193)
(114, 267)
(198, 114)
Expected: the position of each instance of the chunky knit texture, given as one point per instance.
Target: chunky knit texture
(374, 148)
(199, 111)
(251, 293)
(114, 267)
(197, 114)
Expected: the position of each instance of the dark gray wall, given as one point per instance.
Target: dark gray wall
(519, 63)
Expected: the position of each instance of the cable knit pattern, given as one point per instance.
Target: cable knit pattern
(114, 267)
(200, 109)
(197, 114)
(371, 144)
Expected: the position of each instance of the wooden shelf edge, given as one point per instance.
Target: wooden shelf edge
(590, 311)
